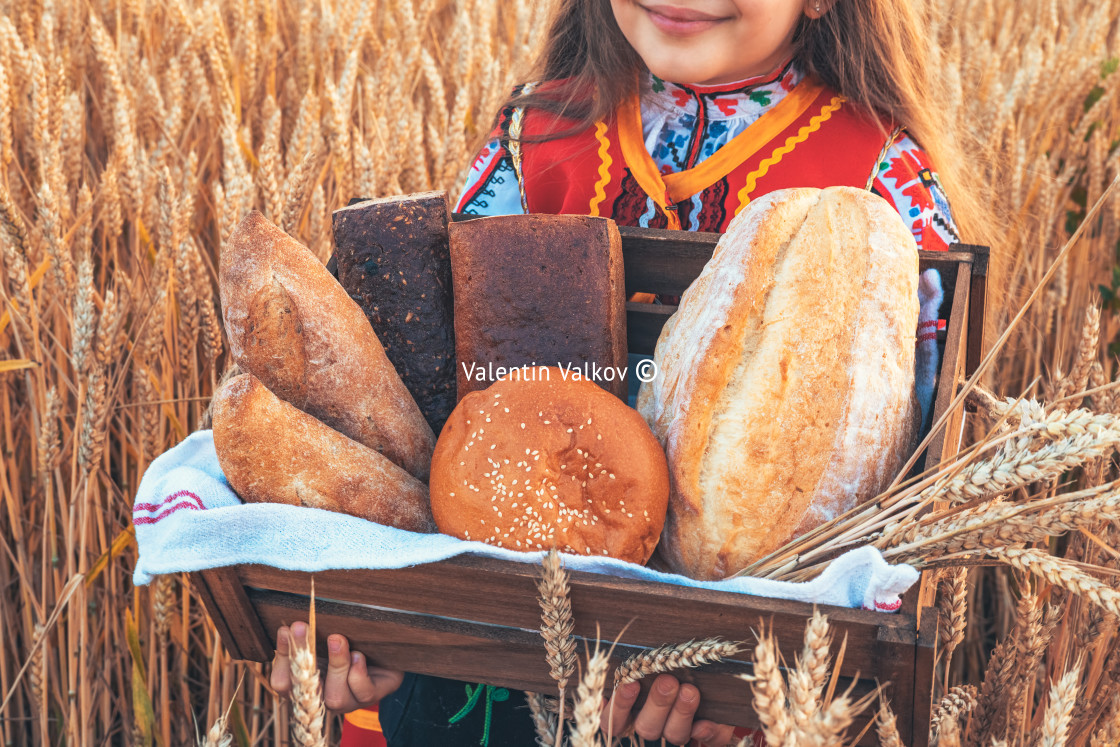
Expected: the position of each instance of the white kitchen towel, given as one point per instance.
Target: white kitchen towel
(188, 519)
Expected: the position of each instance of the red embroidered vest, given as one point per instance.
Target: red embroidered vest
(811, 138)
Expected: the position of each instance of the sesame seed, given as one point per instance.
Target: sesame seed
(589, 421)
(611, 475)
(569, 430)
(522, 426)
(547, 422)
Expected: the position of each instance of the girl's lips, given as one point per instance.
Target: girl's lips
(680, 21)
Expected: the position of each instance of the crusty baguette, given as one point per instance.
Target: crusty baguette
(292, 325)
(271, 452)
(785, 392)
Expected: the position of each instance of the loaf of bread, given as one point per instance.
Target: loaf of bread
(785, 392)
(539, 290)
(292, 326)
(270, 452)
(543, 460)
(391, 257)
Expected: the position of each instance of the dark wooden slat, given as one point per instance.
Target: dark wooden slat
(498, 655)
(643, 325)
(898, 647)
(978, 294)
(491, 591)
(666, 262)
(233, 614)
(924, 671)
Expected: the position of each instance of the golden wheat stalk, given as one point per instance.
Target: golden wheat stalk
(308, 710)
(959, 701)
(545, 721)
(808, 678)
(589, 701)
(557, 623)
(1063, 697)
(770, 692)
(672, 657)
(952, 608)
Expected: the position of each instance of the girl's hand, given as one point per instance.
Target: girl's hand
(667, 714)
(349, 683)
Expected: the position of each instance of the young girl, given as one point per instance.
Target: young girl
(675, 114)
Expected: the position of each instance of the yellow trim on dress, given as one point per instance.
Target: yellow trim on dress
(791, 142)
(365, 719)
(674, 188)
(746, 144)
(639, 161)
(605, 162)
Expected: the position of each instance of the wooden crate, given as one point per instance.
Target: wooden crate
(476, 619)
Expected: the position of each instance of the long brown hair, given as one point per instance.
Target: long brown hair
(867, 50)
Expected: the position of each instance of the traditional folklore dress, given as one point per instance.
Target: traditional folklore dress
(692, 157)
(687, 157)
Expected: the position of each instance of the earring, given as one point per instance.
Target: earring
(817, 7)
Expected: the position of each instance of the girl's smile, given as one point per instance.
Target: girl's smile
(711, 42)
(681, 21)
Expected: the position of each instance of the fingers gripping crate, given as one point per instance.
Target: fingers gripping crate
(477, 619)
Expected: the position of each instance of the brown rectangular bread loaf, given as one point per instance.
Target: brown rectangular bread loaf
(545, 289)
(391, 256)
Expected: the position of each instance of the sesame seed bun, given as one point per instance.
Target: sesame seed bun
(539, 460)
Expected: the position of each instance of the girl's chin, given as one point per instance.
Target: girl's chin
(690, 74)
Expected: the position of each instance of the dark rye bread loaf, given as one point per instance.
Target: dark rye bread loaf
(538, 289)
(391, 256)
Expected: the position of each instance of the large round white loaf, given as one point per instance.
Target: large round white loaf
(785, 392)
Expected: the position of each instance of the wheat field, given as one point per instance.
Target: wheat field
(134, 134)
